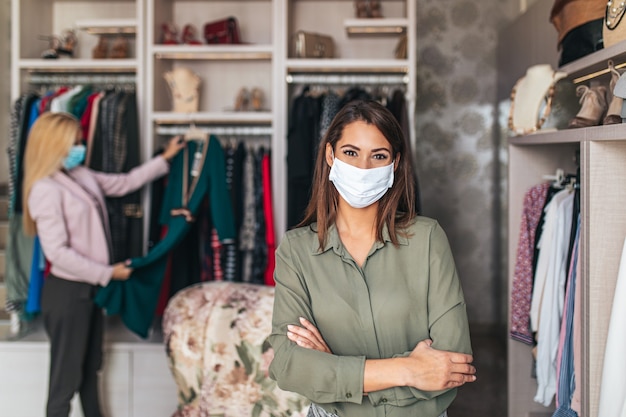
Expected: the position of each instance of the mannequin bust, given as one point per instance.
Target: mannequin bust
(531, 94)
(183, 84)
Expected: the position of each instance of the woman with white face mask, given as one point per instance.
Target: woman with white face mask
(64, 206)
(369, 315)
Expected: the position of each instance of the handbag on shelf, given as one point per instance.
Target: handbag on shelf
(313, 45)
(223, 31)
(614, 30)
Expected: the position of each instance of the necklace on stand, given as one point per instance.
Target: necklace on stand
(532, 99)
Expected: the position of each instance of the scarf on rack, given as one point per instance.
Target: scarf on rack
(135, 300)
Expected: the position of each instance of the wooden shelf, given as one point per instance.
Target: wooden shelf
(108, 26)
(261, 118)
(595, 64)
(214, 52)
(78, 65)
(338, 65)
(615, 132)
(374, 26)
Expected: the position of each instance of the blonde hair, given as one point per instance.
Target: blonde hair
(49, 141)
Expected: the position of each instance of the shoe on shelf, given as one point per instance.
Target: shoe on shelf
(361, 8)
(593, 106)
(119, 48)
(169, 35)
(375, 9)
(101, 50)
(256, 99)
(67, 43)
(242, 100)
(614, 112)
(54, 44)
(190, 35)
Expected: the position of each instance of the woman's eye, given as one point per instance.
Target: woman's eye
(349, 152)
(380, 156)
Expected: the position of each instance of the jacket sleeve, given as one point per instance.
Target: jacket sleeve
(319, 376)
(46, 209)
(447, 316)
(116, 185)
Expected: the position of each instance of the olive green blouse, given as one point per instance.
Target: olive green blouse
(400, 296)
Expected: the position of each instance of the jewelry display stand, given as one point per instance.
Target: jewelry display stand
(183, 84)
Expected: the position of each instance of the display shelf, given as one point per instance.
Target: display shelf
(107, 26)
(336, 65)
(383, 26)
(78, 65)
(615, 132)
(248, 118)
(595, 64)
(214, 52)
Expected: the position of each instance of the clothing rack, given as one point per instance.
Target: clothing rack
(71, 79)
(218, 130)
(346, 79)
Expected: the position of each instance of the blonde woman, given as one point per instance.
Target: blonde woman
(64, 206)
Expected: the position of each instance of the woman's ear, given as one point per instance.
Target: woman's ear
(396, 162)
(329, 155)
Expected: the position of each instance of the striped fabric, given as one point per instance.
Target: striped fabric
(565, 376)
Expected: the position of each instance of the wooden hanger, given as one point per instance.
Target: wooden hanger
(195, 133)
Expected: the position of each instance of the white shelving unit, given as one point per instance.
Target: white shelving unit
(602, 164)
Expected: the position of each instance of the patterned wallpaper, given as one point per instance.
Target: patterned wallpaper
(461, 142)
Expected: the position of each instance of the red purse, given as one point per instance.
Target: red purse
(222, 31)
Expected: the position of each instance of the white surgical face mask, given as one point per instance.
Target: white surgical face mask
(361, 187)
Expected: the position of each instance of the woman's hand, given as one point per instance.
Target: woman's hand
(121, 271)
(307, 336)
(431, 369)
(173, 147)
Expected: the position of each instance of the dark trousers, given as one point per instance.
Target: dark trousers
(75, 326)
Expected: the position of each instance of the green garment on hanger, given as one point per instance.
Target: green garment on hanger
(135, 300)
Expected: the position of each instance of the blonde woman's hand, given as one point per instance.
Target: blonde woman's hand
(431, 369)
(121, 271)
(173, 147)
(307, 336)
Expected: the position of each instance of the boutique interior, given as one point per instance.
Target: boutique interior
(511, 114)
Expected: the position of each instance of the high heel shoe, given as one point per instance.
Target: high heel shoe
(169, 35)
(614, 112)
(593, 106)
(360, 8)
(256, 99)
(375, 9)
(189, 35)
(242, 100)
(101, 50)
(119, 48)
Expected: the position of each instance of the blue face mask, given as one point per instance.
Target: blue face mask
(75, 157)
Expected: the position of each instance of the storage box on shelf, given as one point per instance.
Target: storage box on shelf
(603, 167)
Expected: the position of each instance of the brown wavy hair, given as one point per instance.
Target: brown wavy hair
(396, 209)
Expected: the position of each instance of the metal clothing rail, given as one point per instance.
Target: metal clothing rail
(82, 79)
(218, 130)
(346, 79)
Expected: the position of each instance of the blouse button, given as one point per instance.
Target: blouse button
(348, 395)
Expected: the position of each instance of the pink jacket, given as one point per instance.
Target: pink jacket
(69, 225)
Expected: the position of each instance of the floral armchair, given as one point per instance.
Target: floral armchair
(215, 335)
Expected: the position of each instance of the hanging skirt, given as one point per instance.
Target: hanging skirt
(317, 411)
